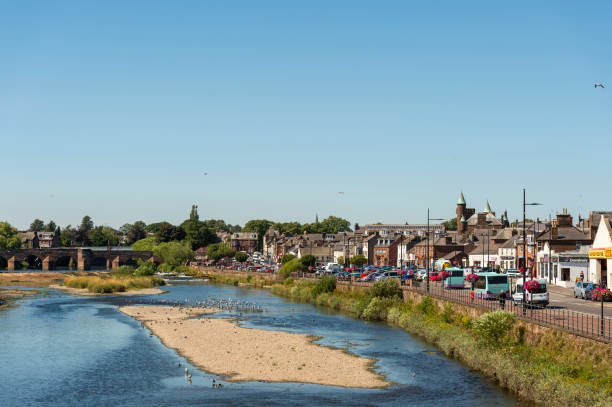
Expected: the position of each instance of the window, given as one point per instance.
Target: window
(539, 245)
(578, 245)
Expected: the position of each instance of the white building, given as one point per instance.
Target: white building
(563, 268)
(600, 256)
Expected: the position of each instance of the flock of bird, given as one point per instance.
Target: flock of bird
(225, 304)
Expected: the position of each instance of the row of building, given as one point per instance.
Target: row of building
(558, 249)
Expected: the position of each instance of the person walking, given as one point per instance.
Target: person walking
(581, 276)
(502, 300)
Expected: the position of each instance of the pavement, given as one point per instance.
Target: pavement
(563, 297)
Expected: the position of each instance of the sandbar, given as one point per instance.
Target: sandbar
(222, 347)
(85, 292)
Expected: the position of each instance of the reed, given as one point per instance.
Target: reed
(108, 284)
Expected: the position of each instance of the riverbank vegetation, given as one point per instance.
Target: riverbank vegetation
(555, 372)
(117, 282)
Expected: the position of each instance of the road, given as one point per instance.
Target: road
(566, 300)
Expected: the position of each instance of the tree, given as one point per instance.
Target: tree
(308, 260)
(102, 236)
(334, 224)
(292, 266)
(169, 233)
(37, 226)
(50, 227)
(136, 233)
(340, 260)
(450, 224)
(69, 236)
(196, 231)
(125, 229)
(86, 223)
(173, 253)
(146, 244)
(218, 251)
(259, 226)
(287, 258)
(241, 257)
(293, 228)
(9, 237)
(154, 227)
(219, 225)
(359, 260)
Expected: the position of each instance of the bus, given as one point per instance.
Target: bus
(455, 278)
(490, 285)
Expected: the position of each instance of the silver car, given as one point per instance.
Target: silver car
(583, 289)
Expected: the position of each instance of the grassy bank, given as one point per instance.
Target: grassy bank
(551, 374)
(112, 284)
(251, 279)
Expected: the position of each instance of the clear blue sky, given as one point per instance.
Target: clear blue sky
(116, 109)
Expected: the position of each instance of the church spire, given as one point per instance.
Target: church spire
(461, 200)
(487, 208)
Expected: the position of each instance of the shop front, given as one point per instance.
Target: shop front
(600, 265)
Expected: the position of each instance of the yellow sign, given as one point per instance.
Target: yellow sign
(600, 253)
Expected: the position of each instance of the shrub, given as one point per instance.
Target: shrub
(447, 313)
(287, 258)
(293, 266)
(173, 253)
(358, 260)
(308, 260)
(493, 327)
(378, 308)
(288, 281)
(146, 268)
(427, 306)
(326, 284)
(334, 302)
(241, 257)
(386, 288)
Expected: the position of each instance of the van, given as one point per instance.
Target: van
(333, 268)
(490, 285)
(538, 297)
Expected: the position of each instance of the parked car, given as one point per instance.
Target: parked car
(583, 289)
(434, 276)
(513, 273)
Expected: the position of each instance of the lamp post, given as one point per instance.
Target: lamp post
(428, 219)
(525, 248)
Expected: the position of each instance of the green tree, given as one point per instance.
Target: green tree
(37, 226)
(340, 260)
(86, 223)
(259, 226)
(241, 257)
(154, 227)
(292, 266)
(218, 251)
(292, 228)
(146, 244)
(50, 227)
(335, 224)
(287, 258)
(308, 260)
(168, 233)
(196, 231)
(450, 224)
(173, 253)
(359, 260)
(69, 236)
(136, 233)
(125, 229)
(102, 236)
(9, 237)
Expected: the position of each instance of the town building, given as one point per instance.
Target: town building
(49, 239)
(600, 256)
(563, 268)
(404, 229)
(468, 220)
(29, 240)
(244, 242)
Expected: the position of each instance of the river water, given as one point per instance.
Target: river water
(62, 350)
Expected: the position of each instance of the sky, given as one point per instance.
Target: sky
(136, 110)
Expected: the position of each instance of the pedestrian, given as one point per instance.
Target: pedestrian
(581, 276)
(502, 300)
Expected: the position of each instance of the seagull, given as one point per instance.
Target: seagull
(598, 85)
(205, 173)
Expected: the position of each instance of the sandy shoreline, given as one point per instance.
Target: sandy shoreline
(84, 292)
(222, 347)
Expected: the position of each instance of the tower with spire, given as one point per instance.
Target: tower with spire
(463, 214)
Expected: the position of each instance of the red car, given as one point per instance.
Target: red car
(434, 276)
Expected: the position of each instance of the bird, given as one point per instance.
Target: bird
(341, 192)
(598, 85)
(205, 173)
(179, 364)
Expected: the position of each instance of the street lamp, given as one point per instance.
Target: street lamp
(428, 260)
(525, 248)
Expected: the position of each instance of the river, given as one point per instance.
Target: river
(62, 350)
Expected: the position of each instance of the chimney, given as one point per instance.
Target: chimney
(564, 219)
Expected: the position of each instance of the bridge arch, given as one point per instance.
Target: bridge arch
(3, 263)
(33, 262)
(66, 262)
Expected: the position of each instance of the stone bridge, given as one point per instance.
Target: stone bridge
(81, 258)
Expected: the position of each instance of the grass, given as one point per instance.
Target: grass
(553, 371)
(107, 285)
